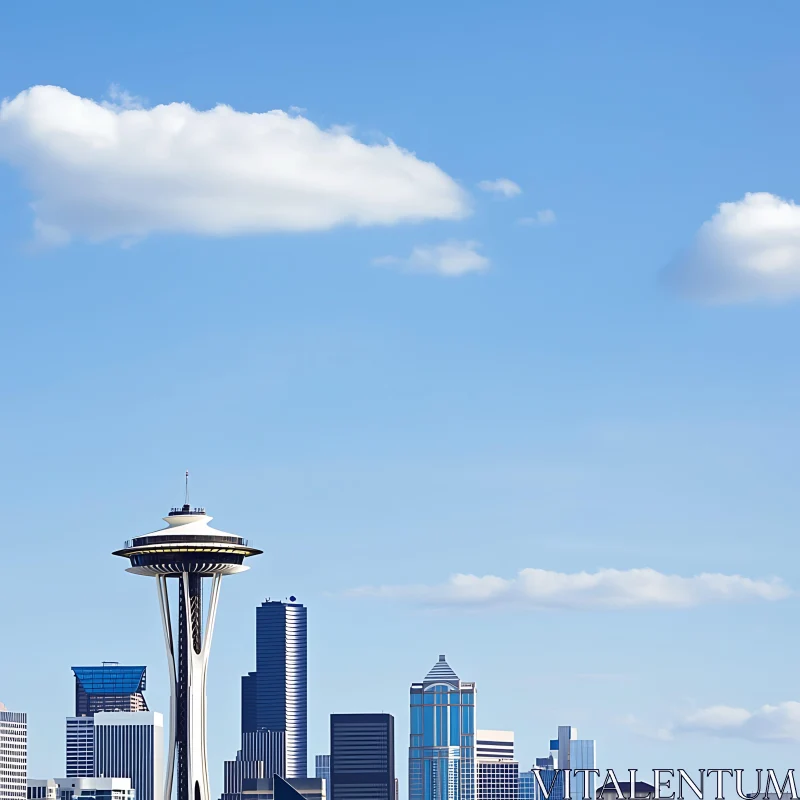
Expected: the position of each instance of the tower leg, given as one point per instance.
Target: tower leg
(163, 599)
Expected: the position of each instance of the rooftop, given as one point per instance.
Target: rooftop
(185, 509)
(111, 679)
(441, 671)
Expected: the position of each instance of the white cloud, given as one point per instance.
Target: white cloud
(604, 589)
(748, 251)
(502, 186)
(116, 169)
(540, 219)
(768, 723)
(450, 259)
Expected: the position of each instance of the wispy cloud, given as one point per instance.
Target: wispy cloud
(769, 723)
(540, 219)
(748, 251)
(118, 169)
(500, 186)
(604, 589)
(450, 259)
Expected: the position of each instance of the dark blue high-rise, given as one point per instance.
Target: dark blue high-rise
(274, 697)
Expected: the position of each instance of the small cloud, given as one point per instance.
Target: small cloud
(120, 99)
(501, 186)
(748, 251)
(450, 259)
(604, 589)
(540, 219)
(776, 723)
(658, 734)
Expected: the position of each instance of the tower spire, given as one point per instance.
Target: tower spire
(186, 496)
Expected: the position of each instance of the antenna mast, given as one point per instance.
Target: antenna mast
(186, 498)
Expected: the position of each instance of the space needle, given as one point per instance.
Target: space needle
(189, 550)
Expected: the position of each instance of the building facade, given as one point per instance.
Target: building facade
(274, 701)
(262, 755)
(441, 756)
(362, 757)
(13, 754)
(497, 773)
(582, 756)
(95, 789)
(42, 789)
(131, 745)
(322, 767)
(109, 687)
(567, 752)
(274, 697)
(80, 747)
(277, 788)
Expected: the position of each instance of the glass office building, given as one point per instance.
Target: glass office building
(110, 687)
(581, 756)
(567, 752)
(441, 756)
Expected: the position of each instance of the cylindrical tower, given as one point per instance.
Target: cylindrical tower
(189, 550)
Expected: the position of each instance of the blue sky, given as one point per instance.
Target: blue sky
(561, 403)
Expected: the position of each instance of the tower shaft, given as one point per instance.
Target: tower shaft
(190, 639)
(187, 764)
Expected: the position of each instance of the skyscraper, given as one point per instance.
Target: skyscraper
(131, 745)
(187, 550)
(497, 771)
(274, 697)
(581, 756)
(109, 687)
(274, 716)
(441, 755)
(567, 752)
(13, 754)
(362, 757)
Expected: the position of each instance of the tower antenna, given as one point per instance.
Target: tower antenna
(186, 498)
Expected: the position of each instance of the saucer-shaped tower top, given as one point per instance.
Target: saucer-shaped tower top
(187, 544)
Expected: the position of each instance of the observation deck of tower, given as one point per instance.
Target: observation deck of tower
(189, 550)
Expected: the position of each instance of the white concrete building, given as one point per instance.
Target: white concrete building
(80, 747)
(13, 754)
(95, 789)
(496, 770)
(42, 789)
(130, 744)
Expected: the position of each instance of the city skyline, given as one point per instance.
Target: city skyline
(110, 698)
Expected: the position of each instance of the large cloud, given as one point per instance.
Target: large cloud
(604, 589)
(101, 170)
(748, 251)
(768, 723)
